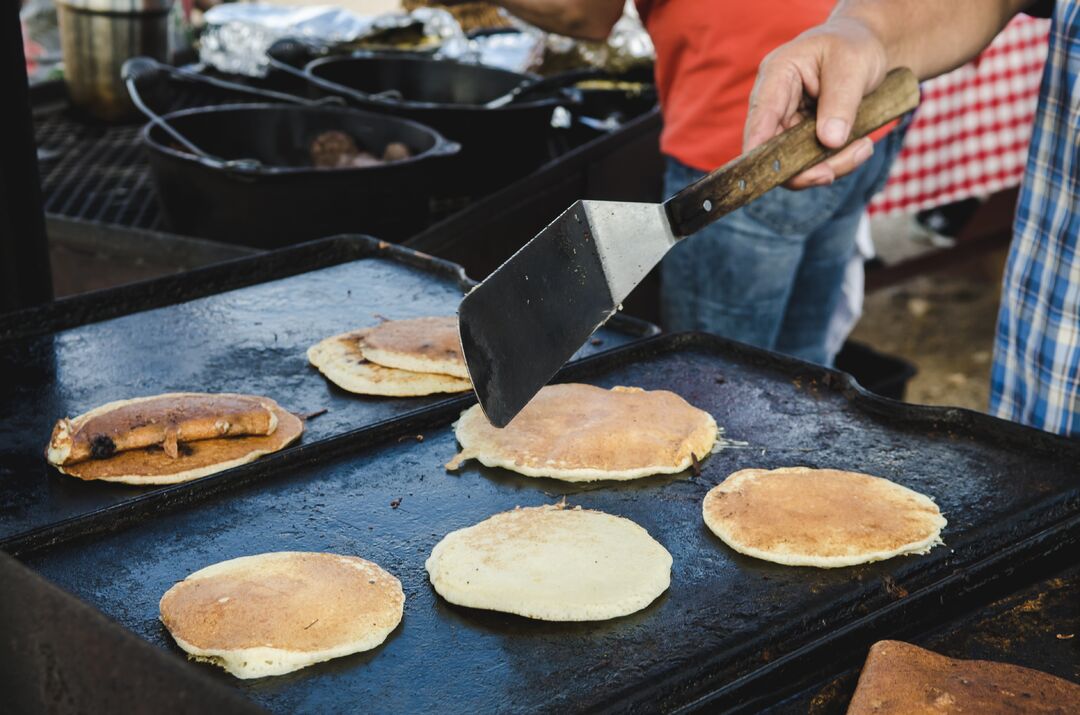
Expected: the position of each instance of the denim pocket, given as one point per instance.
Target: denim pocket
(793, 213)
(889, 147)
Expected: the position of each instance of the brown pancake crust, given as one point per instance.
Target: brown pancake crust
(418, 344)
(197, 459)
(579, 432)
(901, 679)
(820, 517)
(293, 601)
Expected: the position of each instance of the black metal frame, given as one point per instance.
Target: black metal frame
(790, 650)
(237, 273)
(25, 278)
(1032, 628)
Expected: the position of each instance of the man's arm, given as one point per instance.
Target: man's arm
(841, 61)
(583, 19)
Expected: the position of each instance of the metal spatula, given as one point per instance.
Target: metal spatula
(531, 315)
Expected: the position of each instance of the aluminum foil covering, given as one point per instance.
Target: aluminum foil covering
(514, 51)
(237, 35)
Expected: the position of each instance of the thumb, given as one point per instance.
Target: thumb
(844, 82)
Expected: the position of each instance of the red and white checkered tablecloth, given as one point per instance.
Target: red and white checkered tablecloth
(970, 135)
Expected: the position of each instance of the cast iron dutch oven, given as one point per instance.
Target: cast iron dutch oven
(243, 173)
(498, 144)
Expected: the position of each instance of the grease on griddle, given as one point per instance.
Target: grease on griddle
(893, 588)
(312, 415)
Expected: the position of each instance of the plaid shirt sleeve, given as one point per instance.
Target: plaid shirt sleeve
(1036, 372)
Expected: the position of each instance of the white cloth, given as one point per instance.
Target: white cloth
(849, 307)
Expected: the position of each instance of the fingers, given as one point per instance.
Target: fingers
(841, 163)
(774, 102)
(845, 79)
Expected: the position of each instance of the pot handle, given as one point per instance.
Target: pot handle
(446, 148)
(290, 54)
(563, 82)
(267, 94)
(144, 71)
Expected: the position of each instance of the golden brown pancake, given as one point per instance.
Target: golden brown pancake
(152, 465)
(820, 517)
(902, 679)
(341, 360)
(274, 613)
(417, 345)
(581, 433)
(162, 420)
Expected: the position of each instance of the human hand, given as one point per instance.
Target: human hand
(835, 64)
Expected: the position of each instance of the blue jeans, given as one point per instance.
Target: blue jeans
(770, 273)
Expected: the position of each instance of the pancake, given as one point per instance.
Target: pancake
(551, 563)
(581, 433)
(152, 465)
(341, 360)
(162, 420)
(820, 517)
(417, 345)
(274, 613)
(902, 679)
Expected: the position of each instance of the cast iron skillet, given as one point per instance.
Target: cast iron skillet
(243, 173)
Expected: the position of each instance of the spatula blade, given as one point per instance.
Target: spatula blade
(532, 314)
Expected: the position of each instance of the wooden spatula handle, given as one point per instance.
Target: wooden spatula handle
(742, 180)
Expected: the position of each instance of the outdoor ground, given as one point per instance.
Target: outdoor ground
(943, 322)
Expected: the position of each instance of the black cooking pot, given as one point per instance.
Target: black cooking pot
(267, 194)
(498, 145)
(244, 173)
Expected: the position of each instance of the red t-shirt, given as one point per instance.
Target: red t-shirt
(707, 56)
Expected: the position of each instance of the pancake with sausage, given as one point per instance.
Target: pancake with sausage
(170, 438)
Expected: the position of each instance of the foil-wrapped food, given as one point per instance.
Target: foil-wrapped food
(237, 35)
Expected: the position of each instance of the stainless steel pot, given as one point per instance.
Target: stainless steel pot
(96, 37)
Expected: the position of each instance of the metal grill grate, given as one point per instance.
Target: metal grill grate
(97, 172)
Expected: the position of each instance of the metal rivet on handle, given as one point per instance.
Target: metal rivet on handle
(776, 165)
(742, 184)
(707, 205)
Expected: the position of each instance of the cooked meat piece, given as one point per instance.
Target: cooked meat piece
(332, 149)
(396, 151)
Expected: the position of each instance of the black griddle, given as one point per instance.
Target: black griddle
(1037, 627)
(242, 326)
(732, 632)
